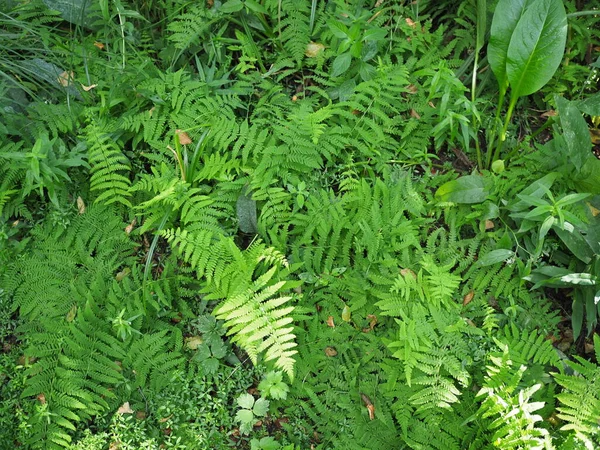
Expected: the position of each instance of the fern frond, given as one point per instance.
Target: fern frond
(109, 167)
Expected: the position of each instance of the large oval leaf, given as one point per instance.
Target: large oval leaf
(468, 189)
(506, 16)
(536, 47)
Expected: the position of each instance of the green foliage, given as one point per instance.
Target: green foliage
(579, 402)
(204, 203)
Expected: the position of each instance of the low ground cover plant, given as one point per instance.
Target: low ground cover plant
(299, 224)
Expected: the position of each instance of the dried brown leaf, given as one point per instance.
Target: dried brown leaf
(65, 78)
(330, 322)
(125, 409)
(184, 138)
(80, 205)
(330, 351)
(467, 298)
(129, 228)
(313, 49)
(193, 342)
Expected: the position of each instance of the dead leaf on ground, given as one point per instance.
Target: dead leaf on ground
(330, 322)
(125, 409)
(129, 228)
(407, 272)
(411, 23)
(369, 404)
(346, 314)
(122, 274)
(99, 45)
(489, 224)
(467, 298)
(184, 138)
(88, 88)
(65, 78)
(313, 49)
(414, 114)
(193, 342)
(593, 210)
(80, 205)
(164, 419)
(372, 322)
(330, 351)
(549, 113)
(72, 313)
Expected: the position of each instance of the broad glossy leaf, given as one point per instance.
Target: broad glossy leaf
(536, 47)
(576, 244)
(506, 17)
(468, 189)
(577, 314)
(494, 257)
(575, 131)
(590, 105)
(481, 23)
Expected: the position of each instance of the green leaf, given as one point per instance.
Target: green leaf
(535, 189)
(341, 64)
(590, 105)
(266, 443)
(494, 257)
(577, 316)
(575, 132)
(375, 34)
(255, 6)
(338, 29)
(261, 407)
(232, 6)
(245, 401)
(506, 16)
(571, 198)
(211, 365)
(584, 279)
(576, 243)
(481, 24)
(468, 189)
(246, 213)
(536, 47)
(245, 416)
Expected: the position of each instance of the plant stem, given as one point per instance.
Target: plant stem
(502, 137)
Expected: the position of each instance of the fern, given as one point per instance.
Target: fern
(257, 321)
(109, 167)
(294, 31)
(579, 402)
(513, 420)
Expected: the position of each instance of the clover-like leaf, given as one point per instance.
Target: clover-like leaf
(261, 407)
(245, 401)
